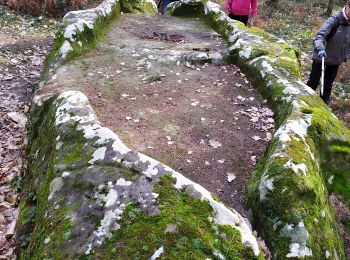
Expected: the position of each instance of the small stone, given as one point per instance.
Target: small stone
(230, 176)
(12, 199)
(256, 138)
(11, 230)
(214, 144)
(4, 206)
(21, 119)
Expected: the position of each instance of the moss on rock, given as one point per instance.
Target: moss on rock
(139, 6)
(288, 191)
(88, 196)
(183, 229)
(79, 32)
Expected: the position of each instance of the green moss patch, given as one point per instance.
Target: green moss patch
(83, 41)
(138, 6)
(193, 234)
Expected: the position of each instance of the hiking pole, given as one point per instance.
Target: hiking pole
(322, 78)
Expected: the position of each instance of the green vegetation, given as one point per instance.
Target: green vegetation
(83, 41)
(193, 234)
(138, 6)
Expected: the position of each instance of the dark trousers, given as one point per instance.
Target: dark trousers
(330, 73)
(241, 18)
(164, 4)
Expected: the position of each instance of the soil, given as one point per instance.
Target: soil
(148, 83)
(23, 48)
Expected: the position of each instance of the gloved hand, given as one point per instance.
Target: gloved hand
(322, 54)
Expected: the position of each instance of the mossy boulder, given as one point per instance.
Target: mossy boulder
(79, 33)
(139, 6)
(89, 196)
(288, 192)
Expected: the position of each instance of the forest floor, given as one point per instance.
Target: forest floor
(24, 44)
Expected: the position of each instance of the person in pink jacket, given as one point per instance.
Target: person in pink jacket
(242, 10)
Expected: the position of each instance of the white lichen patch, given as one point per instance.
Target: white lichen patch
(123, 182)
(296, 167)
(245, 53)
(65, 49)
(72, 100)
(294, 128)
(111, 198)
(211, 7)
(218, 255)
(290, 90)
(330, 179)
(77, 27)
(109, 217)
(99, 154)
(55, 186)
(157, 253)
(58, 145)
(265, 186)
(266, 68)
(299, 237)
(65, 174)
(297, 251)
(47, 240)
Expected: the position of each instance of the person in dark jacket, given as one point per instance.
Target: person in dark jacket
(331, 42)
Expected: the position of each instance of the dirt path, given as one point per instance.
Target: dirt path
(163, 86)
(23, 46)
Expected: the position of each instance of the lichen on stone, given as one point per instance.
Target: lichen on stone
(288, 185)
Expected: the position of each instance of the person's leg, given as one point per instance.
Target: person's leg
(164, 5)
(330, 74)
(244, 19)
(241, 18)
(232, 16)
(315, 75)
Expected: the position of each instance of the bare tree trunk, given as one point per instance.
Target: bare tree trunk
(329, 7)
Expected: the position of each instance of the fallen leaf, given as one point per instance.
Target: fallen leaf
(256, 137)
(214, 144)
(230, 176)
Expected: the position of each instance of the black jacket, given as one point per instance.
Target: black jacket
(334, 37)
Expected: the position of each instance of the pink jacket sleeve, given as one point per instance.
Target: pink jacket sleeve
(254, 7)
(228, 7)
